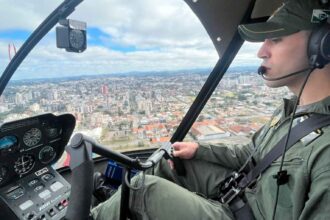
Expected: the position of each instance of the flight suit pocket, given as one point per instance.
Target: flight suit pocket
(262, 196)
(291, 165)
(288, 163)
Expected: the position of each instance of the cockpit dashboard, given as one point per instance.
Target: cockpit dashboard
(30, 144)
(29, 187)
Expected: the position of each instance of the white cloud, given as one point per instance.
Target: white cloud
(142, 23)
(146, 23)
(167, 34)
(48, 61)
(20, 14)
(247, 56)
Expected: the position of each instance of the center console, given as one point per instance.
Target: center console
(41, 195)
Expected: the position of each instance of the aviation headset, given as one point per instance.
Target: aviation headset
(319, 43)
(318, 51)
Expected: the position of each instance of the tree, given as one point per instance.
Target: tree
(241, 97)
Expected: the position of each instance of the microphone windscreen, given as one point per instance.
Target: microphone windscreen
(262, 70)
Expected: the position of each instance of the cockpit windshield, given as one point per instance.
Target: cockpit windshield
(145, 62)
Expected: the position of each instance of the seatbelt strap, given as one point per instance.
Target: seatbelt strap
(316, 121)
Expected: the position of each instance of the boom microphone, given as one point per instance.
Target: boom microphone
(263, 70)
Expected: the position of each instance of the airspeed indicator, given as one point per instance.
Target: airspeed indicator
(32, 137)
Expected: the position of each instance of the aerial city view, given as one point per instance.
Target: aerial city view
(136, 80)
(130, 111)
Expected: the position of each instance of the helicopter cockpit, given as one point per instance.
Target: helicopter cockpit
(42, 109)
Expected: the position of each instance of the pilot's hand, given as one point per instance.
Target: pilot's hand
(184, 150)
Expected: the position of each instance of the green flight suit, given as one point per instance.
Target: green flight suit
(305, 196)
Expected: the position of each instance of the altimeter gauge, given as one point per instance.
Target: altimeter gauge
(53, 132)
(24, 164)
(32, 137)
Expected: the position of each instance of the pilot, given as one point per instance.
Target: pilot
(303, 191)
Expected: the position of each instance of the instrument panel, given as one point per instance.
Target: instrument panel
(30, 144)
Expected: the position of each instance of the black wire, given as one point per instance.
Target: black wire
(287, 139)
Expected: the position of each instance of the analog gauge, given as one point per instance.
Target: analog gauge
(24, 164)
(53, 132)
(3, 174)
(47, 154)
(32, 137)
(77, 39)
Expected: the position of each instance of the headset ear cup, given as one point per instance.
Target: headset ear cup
(325, 46)
(312, 47)
(319, 46)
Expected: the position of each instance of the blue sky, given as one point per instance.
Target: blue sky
(97, 38)
(123, 36)
(14, 34)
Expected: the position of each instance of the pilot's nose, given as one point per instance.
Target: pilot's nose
(264, 51)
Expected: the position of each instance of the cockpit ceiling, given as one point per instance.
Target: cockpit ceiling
(264, 8)
(220, 18)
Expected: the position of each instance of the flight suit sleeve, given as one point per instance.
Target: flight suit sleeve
(235, 156)
(232, 157)
(318, 199)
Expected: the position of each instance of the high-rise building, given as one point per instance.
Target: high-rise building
(104, 89)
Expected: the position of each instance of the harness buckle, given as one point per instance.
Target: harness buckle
(229, 188)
